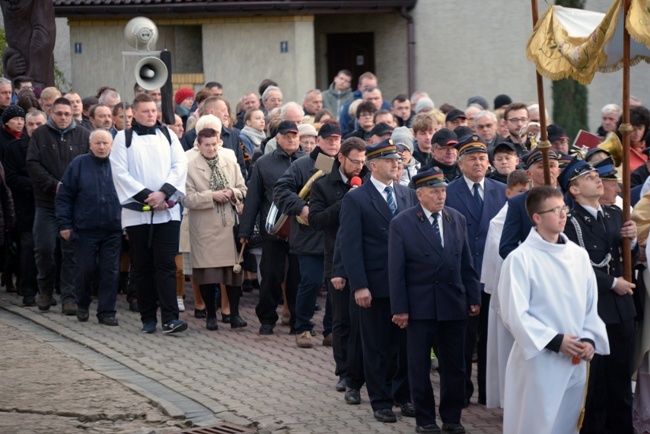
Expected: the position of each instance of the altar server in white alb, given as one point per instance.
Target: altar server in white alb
(548, 296)
(149, 170)
(499, 342)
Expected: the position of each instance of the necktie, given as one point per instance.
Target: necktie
(601, 220)
(435, 226)
(477, 196)
(390, 200)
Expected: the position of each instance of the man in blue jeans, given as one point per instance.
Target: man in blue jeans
(306, 242)
(51, 148)
(88, 213)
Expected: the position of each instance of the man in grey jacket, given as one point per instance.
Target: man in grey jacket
(339, 93)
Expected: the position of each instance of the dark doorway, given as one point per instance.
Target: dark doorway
(353, 51)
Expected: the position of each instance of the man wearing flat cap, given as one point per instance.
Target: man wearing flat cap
(366, 213)
(379, 132)
(478, 199)
(600, 230)
(434, 289)
(518, 224)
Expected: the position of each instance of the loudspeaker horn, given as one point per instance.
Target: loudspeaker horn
(151, 73)
(141, 33)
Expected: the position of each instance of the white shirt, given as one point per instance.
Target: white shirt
(429, 215)
(381, 188)
(470, 185)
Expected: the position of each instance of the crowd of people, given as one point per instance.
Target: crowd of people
(430, 229)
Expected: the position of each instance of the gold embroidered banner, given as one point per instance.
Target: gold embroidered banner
(576, 43)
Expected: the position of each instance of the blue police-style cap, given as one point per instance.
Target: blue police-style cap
(470, 144)
(607, 169)
(576, 168)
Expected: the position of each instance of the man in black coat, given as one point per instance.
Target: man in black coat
(324, 208)
(275, 251)
(600, 230)
(51, 148)
(305, 242)
(365, 216)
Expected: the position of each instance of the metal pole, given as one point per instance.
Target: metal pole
(625, 130)
(544, 145)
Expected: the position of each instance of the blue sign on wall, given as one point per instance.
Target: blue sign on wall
(284, 46)
(77, 48)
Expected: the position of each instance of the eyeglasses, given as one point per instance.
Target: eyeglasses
(356, 162)
(518, 120)
(480, 127)
(63, 114)
(557, 210)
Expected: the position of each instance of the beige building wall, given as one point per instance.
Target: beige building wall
(390, 48)
(240, 53)
(478, 48)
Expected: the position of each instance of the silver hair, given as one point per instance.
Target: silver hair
(416, 94)
(612, 108)
(484, 113)
(314, 91)
(5, 81)
(108, 93)
(34, 113)
(265, 95)
(288, 105)
(93, 133)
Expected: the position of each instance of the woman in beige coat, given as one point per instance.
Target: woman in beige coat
(214, 190)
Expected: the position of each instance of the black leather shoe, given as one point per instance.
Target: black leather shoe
(200, 313)
(266, 329)
(109, 321)
(82, 315)
(428, 429)
(352, 396)
(385, 415)
(237, 322)
(211, 324)
(225, 318)
(453, 428)
(340, 386)
(408, 410)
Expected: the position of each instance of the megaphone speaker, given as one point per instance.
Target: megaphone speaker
(151, 73)
(141, 33)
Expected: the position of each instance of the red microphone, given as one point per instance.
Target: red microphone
(355, 181)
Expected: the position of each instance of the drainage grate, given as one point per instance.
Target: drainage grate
(220, 428)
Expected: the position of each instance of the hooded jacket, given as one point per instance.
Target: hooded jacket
(334, 100)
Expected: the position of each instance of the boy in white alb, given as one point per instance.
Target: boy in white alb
(548, 297)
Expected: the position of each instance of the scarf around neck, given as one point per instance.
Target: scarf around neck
(217, 179)
(253, 134)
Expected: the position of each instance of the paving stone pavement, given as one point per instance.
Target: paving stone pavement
(238, 375)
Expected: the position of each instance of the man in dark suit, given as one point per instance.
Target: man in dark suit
(433, 288)
(600, 230)
(365, 216)
(518, 224)
(478, 199)
(324, 208)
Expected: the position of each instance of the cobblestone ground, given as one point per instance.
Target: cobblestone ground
(240, 376)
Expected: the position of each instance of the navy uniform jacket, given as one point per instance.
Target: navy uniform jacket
(426, 280)
(460, 198)
(612, 308)
(363, 235)
(517, 225)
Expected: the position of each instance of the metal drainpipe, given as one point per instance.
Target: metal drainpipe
(410, 48)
